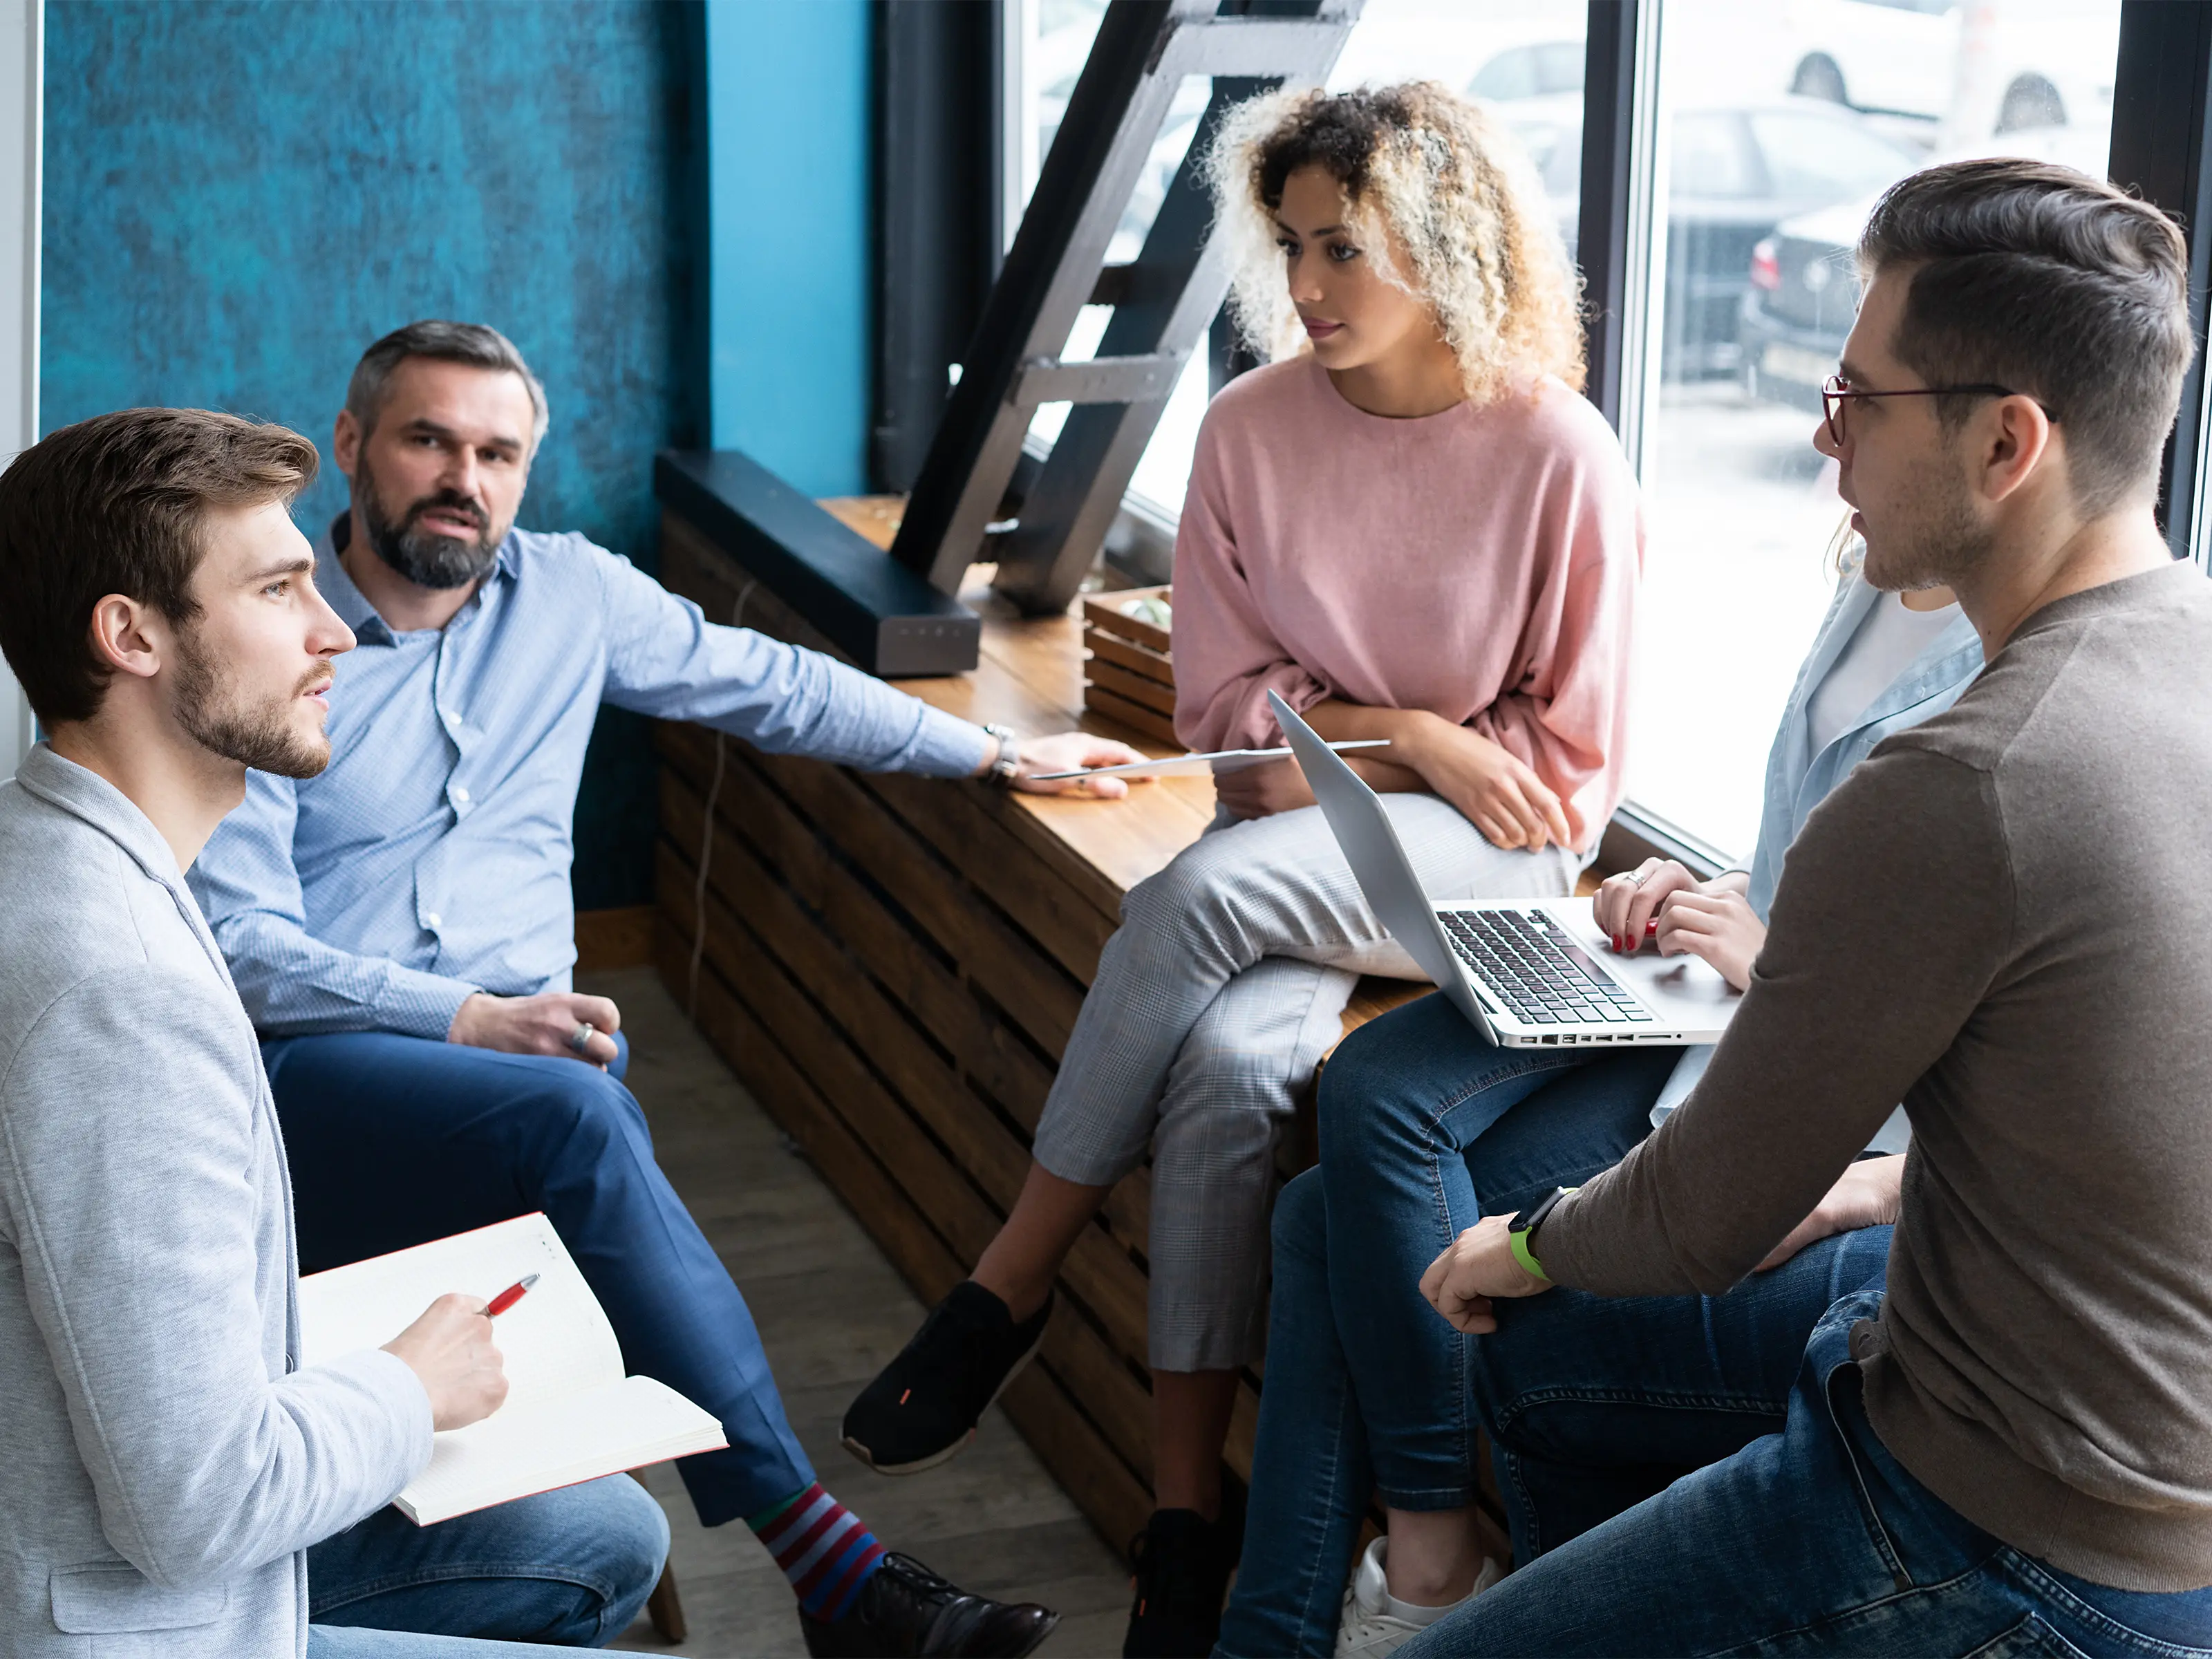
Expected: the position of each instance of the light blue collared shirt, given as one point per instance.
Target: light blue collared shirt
(430, 860)
(1798, 780)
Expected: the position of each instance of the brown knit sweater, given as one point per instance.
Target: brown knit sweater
(2003, 918)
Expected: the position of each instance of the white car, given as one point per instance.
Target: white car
(1978, 70)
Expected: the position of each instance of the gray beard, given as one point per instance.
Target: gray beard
(422, 556)
(261, 737)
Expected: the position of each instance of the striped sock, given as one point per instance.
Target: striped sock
(823, 1549)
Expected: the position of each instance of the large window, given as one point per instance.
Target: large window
(1781, 121)
(1775, 124)
(1525, 55)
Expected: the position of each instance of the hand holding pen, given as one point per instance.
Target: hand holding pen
(451, 1351)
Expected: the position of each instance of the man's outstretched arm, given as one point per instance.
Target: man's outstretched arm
(666, 659)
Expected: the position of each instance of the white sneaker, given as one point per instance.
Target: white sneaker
(1370, 1628)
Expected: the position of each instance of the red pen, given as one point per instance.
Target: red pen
(512, 1294)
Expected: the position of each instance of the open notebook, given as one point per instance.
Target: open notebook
(570, 1414)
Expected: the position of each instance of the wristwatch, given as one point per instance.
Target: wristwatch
(1008, 766)
(1523, 1226)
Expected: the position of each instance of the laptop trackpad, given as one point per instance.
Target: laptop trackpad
(1680, 990)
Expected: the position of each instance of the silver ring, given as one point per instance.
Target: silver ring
(1643, 876)
(581, 1038)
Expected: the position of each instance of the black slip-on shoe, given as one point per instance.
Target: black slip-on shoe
(1181, 1561)
(906, 1609)
(924, 1406)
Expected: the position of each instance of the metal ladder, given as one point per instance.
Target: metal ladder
(1162, 301)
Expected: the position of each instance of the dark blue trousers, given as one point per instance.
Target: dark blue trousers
(396, 1140)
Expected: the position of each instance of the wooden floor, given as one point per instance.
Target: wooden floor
(831, 1312)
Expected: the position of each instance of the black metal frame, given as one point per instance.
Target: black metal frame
(1079, 155)
(2162, 149)
(1602, 233)
(1606, 249)
(1161, 301)
(878, 613)
(939, 185)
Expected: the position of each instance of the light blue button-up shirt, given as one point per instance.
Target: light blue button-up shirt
(430, 860)
(1798, 779)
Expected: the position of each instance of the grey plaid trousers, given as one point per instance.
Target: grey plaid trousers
(1213, 1002)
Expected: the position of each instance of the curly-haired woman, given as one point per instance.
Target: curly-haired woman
(1427, 1126)
(1412, 527)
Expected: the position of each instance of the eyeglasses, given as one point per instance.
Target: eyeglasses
(1839, 392)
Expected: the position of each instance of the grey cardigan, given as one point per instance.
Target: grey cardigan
(165, 1465)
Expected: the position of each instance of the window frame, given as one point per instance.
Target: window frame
(2162, 148)
(22, 68)
(943, 77)
(2161, 145)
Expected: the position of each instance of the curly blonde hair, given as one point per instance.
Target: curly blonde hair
(1455, 193)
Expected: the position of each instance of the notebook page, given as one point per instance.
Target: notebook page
(557, 1443)
(557, 1342)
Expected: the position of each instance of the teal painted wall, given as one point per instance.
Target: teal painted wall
(789, 150)
(240, 195)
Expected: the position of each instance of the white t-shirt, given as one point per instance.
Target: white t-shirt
(1889, 639)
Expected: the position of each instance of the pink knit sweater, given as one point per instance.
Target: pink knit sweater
(1480, 564)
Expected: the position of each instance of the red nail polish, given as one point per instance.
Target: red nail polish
(1650, 927)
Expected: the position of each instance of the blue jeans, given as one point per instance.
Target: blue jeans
(570, 1568)
(337, 1642)
(1592, 1406)
(1810, 1539)
(394, 1140)
(1426, 1127)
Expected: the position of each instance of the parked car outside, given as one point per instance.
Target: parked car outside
(1736, 171)
(1803, 290)
(1983, 70)
(1542, 68)
(1803, 298)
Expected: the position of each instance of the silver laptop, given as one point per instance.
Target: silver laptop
(1530, 973)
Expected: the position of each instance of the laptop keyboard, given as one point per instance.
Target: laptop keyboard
(1543, 976)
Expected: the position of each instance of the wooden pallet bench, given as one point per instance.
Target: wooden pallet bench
(892, 966)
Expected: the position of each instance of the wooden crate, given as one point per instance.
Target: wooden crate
(892, 966)
(1128, 673)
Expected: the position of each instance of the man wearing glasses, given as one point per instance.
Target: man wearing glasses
(2003, 1444)
(1837, 394)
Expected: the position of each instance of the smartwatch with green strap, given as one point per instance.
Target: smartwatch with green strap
(1523, 1227)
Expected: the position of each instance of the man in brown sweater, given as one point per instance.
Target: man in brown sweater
(1999, 918)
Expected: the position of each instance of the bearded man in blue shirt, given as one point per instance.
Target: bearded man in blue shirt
(401, 928)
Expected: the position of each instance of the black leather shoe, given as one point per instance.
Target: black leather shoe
(1183, 1562)
(922, 1409)
(906, 1609)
